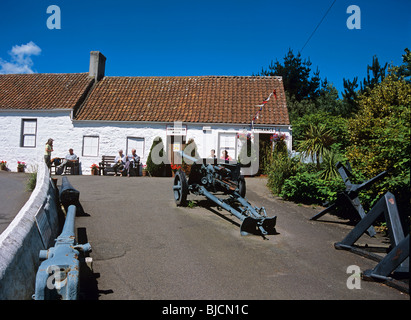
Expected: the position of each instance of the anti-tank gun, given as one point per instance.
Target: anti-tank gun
(208, 176)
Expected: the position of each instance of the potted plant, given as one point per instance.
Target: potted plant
(21, 166)
(279, 141)
(94, 169)
(144, 170)
(3, 165)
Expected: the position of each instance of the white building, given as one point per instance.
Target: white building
(97, 115)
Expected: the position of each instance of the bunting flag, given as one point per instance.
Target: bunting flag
(262, 106)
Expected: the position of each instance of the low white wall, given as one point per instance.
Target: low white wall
(21, 242)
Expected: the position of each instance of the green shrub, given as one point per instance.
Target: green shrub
(157, 158)
(381, 140)
(280, 168)
(31, 181)
(337, 124)
(308, 188)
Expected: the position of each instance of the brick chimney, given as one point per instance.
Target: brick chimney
(97, 65)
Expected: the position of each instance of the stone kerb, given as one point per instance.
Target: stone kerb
(21, 242)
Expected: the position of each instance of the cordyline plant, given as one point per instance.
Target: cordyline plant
(317, 142)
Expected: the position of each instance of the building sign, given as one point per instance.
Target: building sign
(43, 225)
(176, 130)
(176, 147)
(269, 130)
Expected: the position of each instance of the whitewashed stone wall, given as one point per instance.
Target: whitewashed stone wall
(50, 124)
(112, 137)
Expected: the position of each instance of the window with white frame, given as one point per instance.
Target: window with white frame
(90, 146)
(227, 141)
(135, 143)
(28, 133)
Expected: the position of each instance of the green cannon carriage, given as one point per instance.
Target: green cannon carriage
(208, 176)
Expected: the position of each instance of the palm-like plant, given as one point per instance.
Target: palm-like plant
(329, 170)
(317, 142)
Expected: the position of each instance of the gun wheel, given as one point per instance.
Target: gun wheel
(180, 188)
(241, 186)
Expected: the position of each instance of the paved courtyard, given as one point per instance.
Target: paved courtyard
(13, 196)
(144, 247)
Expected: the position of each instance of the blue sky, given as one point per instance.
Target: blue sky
(179, 38)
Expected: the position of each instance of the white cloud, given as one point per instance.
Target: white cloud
(20, 61)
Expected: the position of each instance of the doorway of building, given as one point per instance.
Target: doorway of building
(175, 144)
(265, 152)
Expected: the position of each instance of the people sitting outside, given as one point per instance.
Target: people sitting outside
(119, 163)
(69, 160)
(133, 162)
(225, 156)
(212, 158)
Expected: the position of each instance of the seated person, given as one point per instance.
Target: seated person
(133, 161)
(225, 156)
(119, 163)
(67, 161)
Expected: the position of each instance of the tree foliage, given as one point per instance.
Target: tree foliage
(337, 124)
(381, 137)
(296, 76)
(380, 132)
(369, 126)
(377, 75)
(350, 96)
(403, 71)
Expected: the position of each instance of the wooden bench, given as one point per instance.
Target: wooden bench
(105, 165)
(73, 167)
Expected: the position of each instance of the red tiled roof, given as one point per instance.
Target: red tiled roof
(42, 91)
(204, 99)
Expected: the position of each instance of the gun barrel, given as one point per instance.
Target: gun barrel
(186, 156)
(68, 232)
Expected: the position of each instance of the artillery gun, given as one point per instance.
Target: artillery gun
(208, 176)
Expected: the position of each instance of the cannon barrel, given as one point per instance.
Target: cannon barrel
(68, 233)
(68, 194)
(211, 161)
(186, 156)
(58, 275)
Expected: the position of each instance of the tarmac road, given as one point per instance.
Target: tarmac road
(13, 196)
(144, 247)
